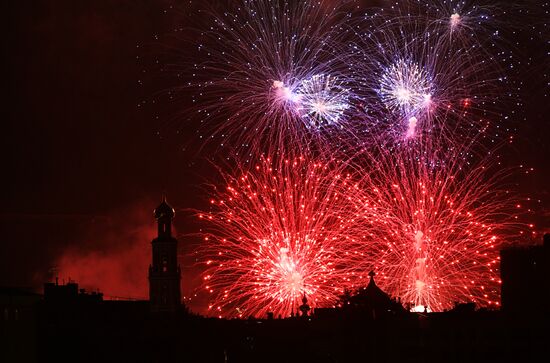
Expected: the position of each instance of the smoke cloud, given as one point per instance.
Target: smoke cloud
(113, 253)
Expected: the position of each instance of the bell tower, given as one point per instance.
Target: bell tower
(164, 271)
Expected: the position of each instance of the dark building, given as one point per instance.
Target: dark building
(372, 301)
(304, 308)
(525, 275)
(69, 292)
(164, 272)
(68, 324)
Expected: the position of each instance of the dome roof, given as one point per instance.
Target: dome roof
(164, 209)
(372, 296)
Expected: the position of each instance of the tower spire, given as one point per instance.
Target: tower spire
(164, 271)
(164, 214)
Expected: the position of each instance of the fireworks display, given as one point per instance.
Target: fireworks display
(379, 128)
(272, 72)
(405, 87)
(322, 100)
(279, 231)
(432, 229)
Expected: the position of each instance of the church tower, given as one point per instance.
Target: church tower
(164, 272)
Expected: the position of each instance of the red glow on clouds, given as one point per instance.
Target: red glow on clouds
(113, 253)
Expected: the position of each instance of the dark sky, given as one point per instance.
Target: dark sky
(78, 153)
(83, 164)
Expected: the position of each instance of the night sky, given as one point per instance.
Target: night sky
(84, 165)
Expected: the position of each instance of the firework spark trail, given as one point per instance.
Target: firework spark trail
(276, 74)
(433, 225)
(276, 233)
(261, 83)
(427, 220)
(411, 66)
(414, 103)
(322, 100)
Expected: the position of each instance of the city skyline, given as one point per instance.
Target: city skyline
(86, 163)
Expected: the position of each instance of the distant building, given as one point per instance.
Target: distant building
(525, 275)
(164, 272)
(67, 293)
(369, 302)
(372, 301)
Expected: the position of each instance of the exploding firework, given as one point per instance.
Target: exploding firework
(322, 100)
(269, 72)
(429, 221)
(277, 233)
(433, 226)
(429, 217)
(404, 86)
(412, 65)
(267, 75)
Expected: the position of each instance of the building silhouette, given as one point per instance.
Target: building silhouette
(304, 308)
(164, 271)
(374, 300)
(69, 324)
(69, 292)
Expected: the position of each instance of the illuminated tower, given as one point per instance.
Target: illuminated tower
(164, 272)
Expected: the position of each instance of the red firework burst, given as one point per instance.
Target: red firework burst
(276, 233)
(433, 225)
